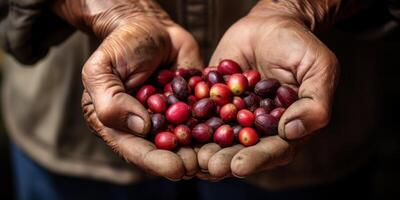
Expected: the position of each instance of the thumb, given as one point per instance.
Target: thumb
(113, 106)
(312, 110)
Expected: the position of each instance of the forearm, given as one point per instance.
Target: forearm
(102, 16)
(315, 14)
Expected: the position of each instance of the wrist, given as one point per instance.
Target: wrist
(101, 18)
(313, 14)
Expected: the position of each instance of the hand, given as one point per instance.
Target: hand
(136, 38)
(284, 48)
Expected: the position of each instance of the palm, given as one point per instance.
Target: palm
(282, 49)
(124, 60)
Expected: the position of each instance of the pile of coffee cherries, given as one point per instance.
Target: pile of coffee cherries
(220, 104)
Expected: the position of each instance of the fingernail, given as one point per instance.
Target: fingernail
(172, 179)
(187, 177)
(294, 129)
(237, 176)
(136, 124)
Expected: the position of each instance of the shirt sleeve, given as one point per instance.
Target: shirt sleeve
(28, 29)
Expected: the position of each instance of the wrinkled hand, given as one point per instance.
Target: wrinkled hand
(137, 38)
(283, 48)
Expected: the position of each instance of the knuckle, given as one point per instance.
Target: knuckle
(90, 117)
(330, 60)
(216, 167)
(240, 166)
(108, 109)
(323, 115)
(105, 113)
(96, 65)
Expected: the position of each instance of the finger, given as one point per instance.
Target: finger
(226, 51)
(269, 153)
(187, 50)
(202, 175)
(196, 147)
(207, 177)
(90, 116)
(189, 158)
(219, 165)
(313, 109)
(205, 153)
(135, 150)
(144, 154)
(187, 177)
(113, 106)
(164, 163)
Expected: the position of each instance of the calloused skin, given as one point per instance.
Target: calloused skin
(284, 48)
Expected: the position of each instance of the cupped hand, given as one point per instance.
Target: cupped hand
(137, 37)
(283, 48)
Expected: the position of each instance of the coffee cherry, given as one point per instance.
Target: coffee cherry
(245, 118)
(248, 136)
(239, 103)
(277, 112)
(214, 77)
(178, 113)
(224, 136)
(220, 94)
(201, 90)
(157, 103)
(227, 67)
(164, 77)
(184, 73)
(194, 80)
(180, 87)
(267, 87)
(144, 92)
(286, 96)
(171, 99)
(208, 70)
(228, 112)
(183, 135)
(197, 104)
(193, 72)
(267, 104)
(237, 83)
(202, 133)
(260, 111)
(158, 123)
(214, 122)
(267, 124)
(166, 140)
(168, 88)
(277, 102)
(191, 100)
(252, 101)
(192, 122)
(236, 130)
(253, 77)
(203, 109)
